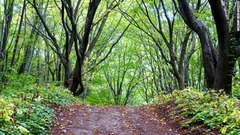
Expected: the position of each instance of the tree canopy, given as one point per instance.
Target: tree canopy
(125, 46)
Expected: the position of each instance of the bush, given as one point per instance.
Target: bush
(25, 107)
(214, 109)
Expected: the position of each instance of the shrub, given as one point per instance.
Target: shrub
(214, 109)
(25, 107)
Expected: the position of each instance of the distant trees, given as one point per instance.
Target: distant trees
(6, 16)
(16, 43)
(122, 74)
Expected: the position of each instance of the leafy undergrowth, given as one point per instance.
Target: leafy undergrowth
(25, 106)
(213, 109)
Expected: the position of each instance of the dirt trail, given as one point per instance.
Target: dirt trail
(112, 120)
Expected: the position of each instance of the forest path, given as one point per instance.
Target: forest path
(113, 120)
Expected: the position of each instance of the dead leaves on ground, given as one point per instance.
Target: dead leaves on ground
(109, 120)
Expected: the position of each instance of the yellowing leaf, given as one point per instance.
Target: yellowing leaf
(7, 118)
(238, 119)
(225, 119)
(234, 113)
(11, 105)
(223, 130)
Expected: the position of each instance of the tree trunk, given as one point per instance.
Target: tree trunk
(5, 28)
(67, 73)
(27, 54)
(209, 56)
(77, 80)
(180, 81)
(18, 34)
(223, 79)
(77, 77)
(58, 71)
(218, 73)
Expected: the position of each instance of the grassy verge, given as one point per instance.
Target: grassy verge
(25, 108)
(212, 109)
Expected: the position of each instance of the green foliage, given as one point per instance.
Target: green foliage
(25, 108)
(99, 97)
(117, 78)
(214, 109)
(236, 85)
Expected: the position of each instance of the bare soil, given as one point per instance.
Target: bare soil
(118, 120)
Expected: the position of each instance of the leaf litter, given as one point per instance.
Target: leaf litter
(80, 119)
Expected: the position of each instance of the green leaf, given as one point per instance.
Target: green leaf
(1, 133)
(23, 130)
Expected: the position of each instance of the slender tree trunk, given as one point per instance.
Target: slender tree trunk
(6, 23)
(18, 34)
(58, 71)
(67, 73)
(39, 68)
(28, 54)
(77, 77)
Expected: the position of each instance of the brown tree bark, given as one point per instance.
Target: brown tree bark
(64, 58)
(226, 58)
(18, 33)
(5, 29)
(209, 56)
(28, 50)
(218, 71)
(77, 77)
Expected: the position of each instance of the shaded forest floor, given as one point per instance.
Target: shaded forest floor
(120, 120)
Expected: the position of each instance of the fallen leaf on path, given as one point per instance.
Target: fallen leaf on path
(71, 134)
(86, 119)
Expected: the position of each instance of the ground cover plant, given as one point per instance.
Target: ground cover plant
(25, 106)
(213, 109)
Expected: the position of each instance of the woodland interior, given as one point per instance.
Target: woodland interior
(182, 54)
